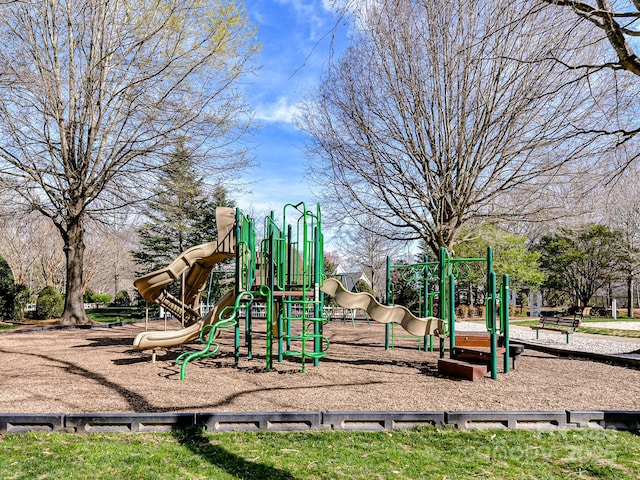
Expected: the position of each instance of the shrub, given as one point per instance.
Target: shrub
(7, 290)
(121, 299)
(23, 295)
(600, 312)
(462, 311)
(100, 298)
(50, 304)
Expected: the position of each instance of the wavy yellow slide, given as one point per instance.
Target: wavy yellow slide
(171, 338)
(383, 313)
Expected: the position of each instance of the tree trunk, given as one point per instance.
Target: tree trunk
(74, 251)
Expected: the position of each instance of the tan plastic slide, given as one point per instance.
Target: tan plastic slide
(170, 338)
(196, 263)
(383, 313)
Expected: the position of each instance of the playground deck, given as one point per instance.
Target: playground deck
(96, 370)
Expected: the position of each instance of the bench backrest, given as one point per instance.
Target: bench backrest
(561, 321)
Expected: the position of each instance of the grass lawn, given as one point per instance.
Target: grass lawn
(97, 317)
(107, 318)
(411, 454)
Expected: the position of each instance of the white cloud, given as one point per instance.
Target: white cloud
(280, 111)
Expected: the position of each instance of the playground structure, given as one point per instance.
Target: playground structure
(281, 280)
(471, 354)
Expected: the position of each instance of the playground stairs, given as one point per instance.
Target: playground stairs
(470, 357)
(461, 369)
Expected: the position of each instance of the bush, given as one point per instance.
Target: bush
(121, 299)
(600, 312)
(100, 298)
(22, 298)
(50, 304)
(462, 311)
(7, 291)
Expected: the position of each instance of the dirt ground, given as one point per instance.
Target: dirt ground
(96, 370)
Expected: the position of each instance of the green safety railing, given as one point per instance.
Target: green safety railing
(305, 266)
(418, 275)
(228, 318)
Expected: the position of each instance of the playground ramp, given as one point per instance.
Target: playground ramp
(197, 262)
(383, 313)
(171, 338)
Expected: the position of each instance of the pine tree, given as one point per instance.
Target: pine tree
(7, 291)
(180, 215)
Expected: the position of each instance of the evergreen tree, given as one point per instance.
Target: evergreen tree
(180, 215)
(7, 291)
(582, 260)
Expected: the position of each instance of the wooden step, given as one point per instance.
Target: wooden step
(480, 355)
(472, 339)
(461, 369)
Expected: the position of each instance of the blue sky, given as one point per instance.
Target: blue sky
(296, 43)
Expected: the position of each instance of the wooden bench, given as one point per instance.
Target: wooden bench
(558, 324)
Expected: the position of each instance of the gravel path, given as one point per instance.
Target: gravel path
(616, 325)
(578, 342)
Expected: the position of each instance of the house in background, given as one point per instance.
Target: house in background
(351, 279)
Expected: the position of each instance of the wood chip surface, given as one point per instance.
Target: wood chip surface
(96, 370)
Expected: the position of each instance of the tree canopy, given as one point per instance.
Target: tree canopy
(180, 215)
(582, 260)
(7, 291)
(445, 112)
(511, 256)
(95, 95)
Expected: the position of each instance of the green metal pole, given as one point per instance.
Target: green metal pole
(317, 325)
(236, 352)
(452, 314)
(489, 263)
(288, 281)
(504, 318)
(442, 300)
(428, 339)
(492, 326)
(387, 327)
(238, 286)
(267, 293)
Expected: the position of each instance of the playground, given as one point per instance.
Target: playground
(97, 370)
(267, 345)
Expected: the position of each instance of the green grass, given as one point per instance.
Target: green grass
(424, 453)
(107, 318)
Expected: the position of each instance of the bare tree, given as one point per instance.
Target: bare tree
(616, 27)
(447, 112)
(621, 211)
(619, 22)
(367, 250)
(95, 94)
(109, 265)
(33, 250)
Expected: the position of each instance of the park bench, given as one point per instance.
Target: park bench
(558, 324)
